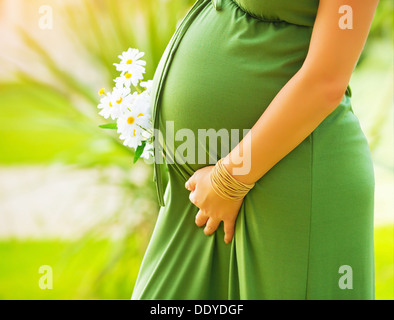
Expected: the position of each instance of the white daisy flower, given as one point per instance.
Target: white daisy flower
(147, 85)
(130, 110)
(120, 99)
(106, 106)
(129, 126)
(148, 151)
(130, 62)
(118, 93)
(127, 79)
(142, 103)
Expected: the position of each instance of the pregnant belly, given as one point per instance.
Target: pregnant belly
(227, 69)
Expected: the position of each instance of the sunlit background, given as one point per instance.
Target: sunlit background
(70, 197)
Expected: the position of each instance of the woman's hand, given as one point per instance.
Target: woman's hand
(213, 208)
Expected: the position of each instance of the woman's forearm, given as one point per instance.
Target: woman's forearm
(310, 96)
(302, 104)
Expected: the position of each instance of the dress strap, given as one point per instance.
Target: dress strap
(217, 4)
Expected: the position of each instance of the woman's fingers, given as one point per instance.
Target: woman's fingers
(211, 226)
(201, 218)
(228, 230)
(192, 198)
(191, 183)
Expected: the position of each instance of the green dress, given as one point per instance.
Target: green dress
(305, 231)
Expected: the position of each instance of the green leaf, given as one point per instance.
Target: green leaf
(109, 126)
(139, 151)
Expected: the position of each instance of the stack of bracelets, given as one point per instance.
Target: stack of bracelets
(225, 185)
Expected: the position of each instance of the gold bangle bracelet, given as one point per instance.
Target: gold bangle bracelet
(225, 185)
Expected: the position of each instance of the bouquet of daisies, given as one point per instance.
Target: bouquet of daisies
(129, 104)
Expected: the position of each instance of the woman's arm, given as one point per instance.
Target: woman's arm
(312, 94)
(300, 106)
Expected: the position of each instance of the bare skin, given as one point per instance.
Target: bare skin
(299, 107)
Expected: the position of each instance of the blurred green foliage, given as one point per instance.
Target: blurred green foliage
(56, 121)
(59, 116)
(383, 23)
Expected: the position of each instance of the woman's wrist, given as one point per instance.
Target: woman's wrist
(225, 185)
(239, 168)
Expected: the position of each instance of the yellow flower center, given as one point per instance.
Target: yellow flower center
(110, 104)
(119, 101)
(130, 120)
(101, 91)
(129, 61)
(127, 75)
(141, 114)
(134, 133)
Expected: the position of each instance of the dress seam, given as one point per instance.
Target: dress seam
(310, 219)
(262, 19)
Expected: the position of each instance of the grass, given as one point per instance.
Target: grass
(384, 262)
(76, 268)
(81, 270)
